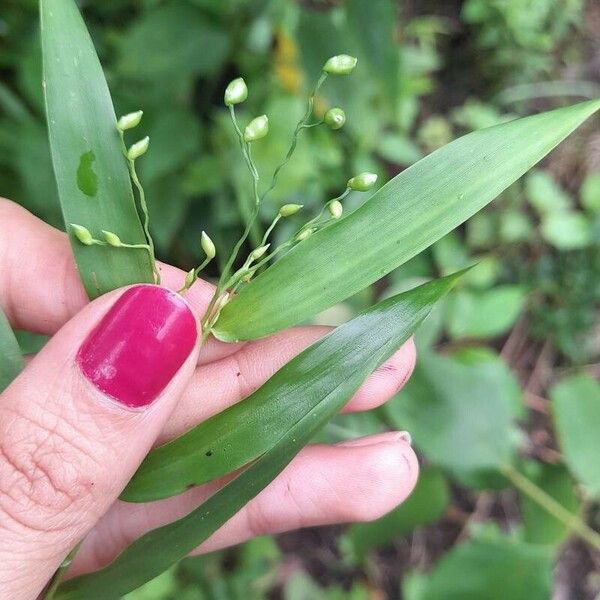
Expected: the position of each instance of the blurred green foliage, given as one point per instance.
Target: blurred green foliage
(520, 328)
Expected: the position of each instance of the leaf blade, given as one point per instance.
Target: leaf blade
(89, 166)
(11, 360)
(575, 403)
(241, 433)
(404, 217)
(380, 330)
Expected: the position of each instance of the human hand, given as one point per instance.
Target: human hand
(70, 441)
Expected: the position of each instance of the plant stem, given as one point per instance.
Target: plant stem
(196, 273)
(60, 573)
(573, 522)
(245, 212)
(144, 206)
(146, 222)
(245, 147)
(123, 245)
(314, 220)
(302, 124)
(226, 279)
(270, 229)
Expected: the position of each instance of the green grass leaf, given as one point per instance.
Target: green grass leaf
(484, 313)
(404, 217)
(338, 363)
(576, 411)
(470, 401)
(491, 566)
(11, 361)
(567, 230)
(89, 166)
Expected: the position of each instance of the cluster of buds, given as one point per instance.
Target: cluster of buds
(236, 93)
(208, 247)
(342, 64)
(335, 118)
(85, 237)
(130, 121)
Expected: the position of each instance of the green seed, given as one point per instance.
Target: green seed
(362, 182)
(335, 209)
(82, 234)
(335, 118)
(112, 239)
(258, 252)
(138, 149)
(287, 210)
(306, 233)
(342, 64)
(256, 129)
(236, 92)
(190, 278)
(207, 245)
(130, 120)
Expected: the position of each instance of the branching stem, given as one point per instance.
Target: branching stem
(302, 124)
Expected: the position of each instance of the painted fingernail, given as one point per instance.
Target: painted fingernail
(139, 345)
(378, 438)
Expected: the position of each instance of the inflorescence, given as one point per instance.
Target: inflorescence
(258, 128)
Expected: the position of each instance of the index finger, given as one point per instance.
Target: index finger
(40, 289)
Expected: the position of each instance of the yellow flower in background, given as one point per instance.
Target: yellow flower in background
(287, 69)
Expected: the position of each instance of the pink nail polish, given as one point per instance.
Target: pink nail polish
(139, 345)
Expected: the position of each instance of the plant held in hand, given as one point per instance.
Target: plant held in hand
(331, 256)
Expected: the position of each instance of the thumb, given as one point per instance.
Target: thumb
(77, 422)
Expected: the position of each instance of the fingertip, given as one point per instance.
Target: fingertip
(394, 473)
(387, 380)
(384, 471)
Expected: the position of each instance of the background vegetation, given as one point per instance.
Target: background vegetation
(509, 365)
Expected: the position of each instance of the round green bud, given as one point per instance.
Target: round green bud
(335, 118)
(236, 92)
(363, 182)
(342, 64)
(258, 252)
(82, 234)
(112, 239)
(208, 246)
(335, 209)
(130, 120)
(256, 129)
(305, 233)
(138, 149)
(287, 210)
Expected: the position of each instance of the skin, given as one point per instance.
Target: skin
(66, 452)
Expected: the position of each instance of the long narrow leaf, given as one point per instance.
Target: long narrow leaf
(404, 217)
(238, 435)
(11, 361)
(91, 172)
(340, 361)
